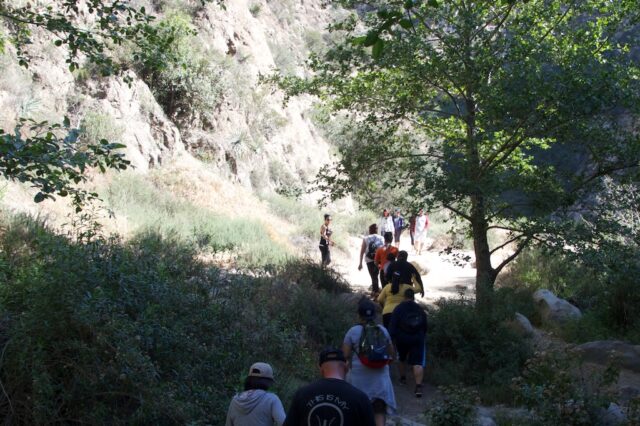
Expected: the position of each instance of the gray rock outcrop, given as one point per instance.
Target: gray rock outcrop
(523, 325)
(602, 352)
(553, 309)
(613, 415)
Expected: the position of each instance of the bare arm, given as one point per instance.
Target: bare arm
(363, 248)
(346, 349)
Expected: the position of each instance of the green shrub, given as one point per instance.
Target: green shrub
(309, 274)
(457, 407)
(470, 349)
(187, 81)
(255, 9)
(559, 391)
(602, 285)
(535, 269)
(509, 300)
(96, 126)
(141, 332)
(150, 208)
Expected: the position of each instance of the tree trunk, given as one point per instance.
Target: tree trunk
(485, 274)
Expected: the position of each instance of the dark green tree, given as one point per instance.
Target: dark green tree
(508, 113)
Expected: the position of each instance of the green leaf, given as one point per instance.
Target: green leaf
(359, 40)
(371, 38)
(377, 48)
(405, 23)
(433, 3)
(39, 197)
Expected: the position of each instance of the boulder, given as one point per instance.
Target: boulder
(523, 325)
(484, 417)
(623, 355)
(613, 415)
(554, 310)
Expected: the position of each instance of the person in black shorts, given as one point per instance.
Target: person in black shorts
(325, 240)
(408, 329)
(330, 400)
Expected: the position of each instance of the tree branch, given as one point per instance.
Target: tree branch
(515, 254)
(457, 211)
(501, 246)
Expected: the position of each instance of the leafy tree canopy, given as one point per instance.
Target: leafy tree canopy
(508, 113)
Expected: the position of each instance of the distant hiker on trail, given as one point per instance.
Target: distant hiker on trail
(398, 227)
(255, 406)
(405, 273)
(368, 348)
(380, 258)
(408, 329)
(393, 295)
(412, 230)
(422, 224)
(330, 400)
(325, 240)
(370, 244)
(386, 222)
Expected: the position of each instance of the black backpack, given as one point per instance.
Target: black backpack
(412, 322)
(372, 248)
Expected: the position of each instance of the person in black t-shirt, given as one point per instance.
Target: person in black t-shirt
(330, 400)
(408, 329)
(403, 272)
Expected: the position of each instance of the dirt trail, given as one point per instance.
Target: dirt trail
(442, 278)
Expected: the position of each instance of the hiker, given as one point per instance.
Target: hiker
(391, 259)
(398, 227)
(393, 295)
(255, 406)
(412, 230)
(330, 400)
(381, 257)
(368, 348)
(405, 273)
(386, 222)
(325, 240)
(408, 329)
(422, 223)
(370, 244)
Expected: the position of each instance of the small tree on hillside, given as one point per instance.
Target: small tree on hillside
(506, 112)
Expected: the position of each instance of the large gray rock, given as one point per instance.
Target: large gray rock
(523, 325)
(602, 352)
(554, 310)
(484, 417)
(613, 415)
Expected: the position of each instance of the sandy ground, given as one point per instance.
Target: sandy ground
(442, 278)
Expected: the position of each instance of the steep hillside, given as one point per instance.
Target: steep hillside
(205, 102)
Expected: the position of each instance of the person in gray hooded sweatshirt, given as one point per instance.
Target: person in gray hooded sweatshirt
(255, 406)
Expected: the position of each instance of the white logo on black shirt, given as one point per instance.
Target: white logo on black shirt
(325, 414)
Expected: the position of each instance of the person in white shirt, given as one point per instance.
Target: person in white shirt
(386, 223)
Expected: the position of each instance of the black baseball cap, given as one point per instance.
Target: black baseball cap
(367, 310)
(331, 354)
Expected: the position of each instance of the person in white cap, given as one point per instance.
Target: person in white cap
(255, 406)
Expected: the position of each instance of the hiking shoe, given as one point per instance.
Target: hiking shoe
(403, 380)
(418, 391)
